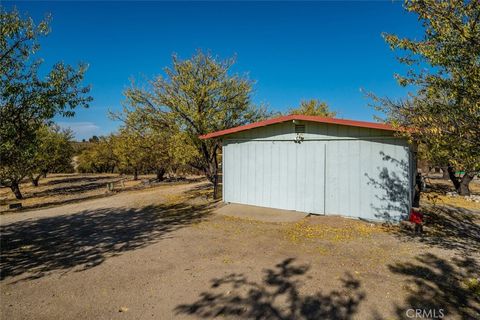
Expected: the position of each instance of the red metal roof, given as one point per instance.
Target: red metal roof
(351, 123)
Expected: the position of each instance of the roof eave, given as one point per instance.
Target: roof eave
(352, 123)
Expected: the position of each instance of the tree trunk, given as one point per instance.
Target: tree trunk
(461, 185)
(135, 175)
(160, 174)
(214, 172)
(445, 173)
(35, 180)
(211, 167)
(211, 172)
(464, 189)
(215, 187)
(418, 191)
(453, 177)
(16, 190)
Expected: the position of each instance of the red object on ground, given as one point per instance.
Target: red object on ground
(415, 217)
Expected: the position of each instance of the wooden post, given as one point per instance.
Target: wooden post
(110, 186)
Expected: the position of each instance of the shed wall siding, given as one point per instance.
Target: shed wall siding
(336, 170)
(314, 131)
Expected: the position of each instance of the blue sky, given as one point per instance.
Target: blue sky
(294, 51)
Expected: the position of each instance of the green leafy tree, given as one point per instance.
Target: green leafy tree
(98, 157)
(93, 139)
(198, 96)
(153, 148)
(313, 107)
(54, 152)
(28, 101)
(444, 68)
(132, 152)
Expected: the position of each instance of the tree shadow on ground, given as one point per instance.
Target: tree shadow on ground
(437, 284)
(277, 296)
(447, 228)
(437, 187)
(203, 191)
(88, 238)
(72, 189)
(59, 202)
(69, 179)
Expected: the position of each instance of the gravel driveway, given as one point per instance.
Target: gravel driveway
(164, 253)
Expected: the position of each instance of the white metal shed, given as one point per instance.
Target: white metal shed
(319, 165)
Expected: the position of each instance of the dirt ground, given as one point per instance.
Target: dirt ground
(163, 253)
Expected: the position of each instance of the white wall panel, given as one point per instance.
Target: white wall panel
(336, 170)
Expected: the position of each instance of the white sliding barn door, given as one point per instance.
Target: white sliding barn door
(310, 181)
(276, 174)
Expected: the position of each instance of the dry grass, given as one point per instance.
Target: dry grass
(436, 198)
(59, 189)
(439, 188)
(446, 185)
